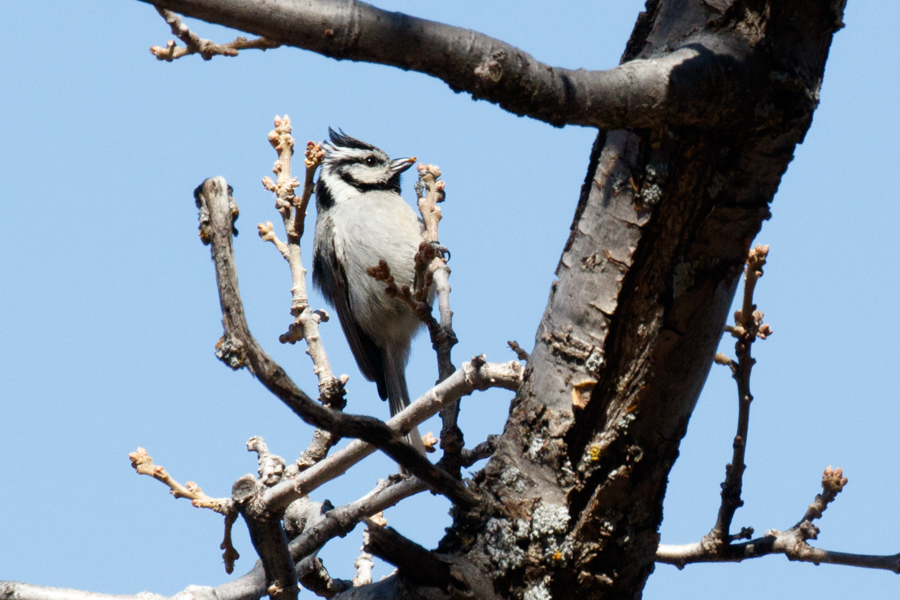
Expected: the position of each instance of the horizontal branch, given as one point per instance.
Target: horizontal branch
(14, 590)
(683, 554)
(694, 85)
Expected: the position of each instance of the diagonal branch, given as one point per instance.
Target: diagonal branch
(413, 562)
(142, 462)
(698, 84)
(471, 376)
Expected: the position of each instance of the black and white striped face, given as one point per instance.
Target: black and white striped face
(352, 165)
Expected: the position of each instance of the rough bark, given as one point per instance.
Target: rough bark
(644, 286)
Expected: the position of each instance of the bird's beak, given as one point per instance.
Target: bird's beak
(402, 164)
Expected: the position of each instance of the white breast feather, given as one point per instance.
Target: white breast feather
(364, 230)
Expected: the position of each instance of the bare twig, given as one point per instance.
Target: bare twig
(312, 160)
(363, 564)
(194, 44)
(306, 320)
(230, 554)
(748, 326)
(431, 261)
(432, 277)
(483, 450)
(143, 464)
(271, 466)
(719, 545)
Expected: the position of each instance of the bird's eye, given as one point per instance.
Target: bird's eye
(371, 161)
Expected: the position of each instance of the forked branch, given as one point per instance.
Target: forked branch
(792, 543)
(194, 44)
(719, 545)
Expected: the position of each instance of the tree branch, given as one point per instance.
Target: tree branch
(748, 327)
(142, 463)
(469, 377)
(686, 86)
(432, 269)
(413, 562)
(194, 44)
(483, 450)
(250, 586)
(268, 538)
(306, 320)
(317, 580)
(791, 543)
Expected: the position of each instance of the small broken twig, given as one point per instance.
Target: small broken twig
(521, 354)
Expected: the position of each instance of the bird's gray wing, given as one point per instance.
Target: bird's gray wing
(330, 278)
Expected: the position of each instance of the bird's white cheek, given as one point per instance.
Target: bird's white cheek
(340, 190)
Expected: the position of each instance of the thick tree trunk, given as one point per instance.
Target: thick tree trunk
(645, 283)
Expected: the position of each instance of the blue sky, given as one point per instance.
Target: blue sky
(109, 311)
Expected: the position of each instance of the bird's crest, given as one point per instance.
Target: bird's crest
(339, 139)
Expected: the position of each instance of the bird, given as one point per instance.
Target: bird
(362, 220)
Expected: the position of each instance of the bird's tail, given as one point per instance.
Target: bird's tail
(398, 394)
